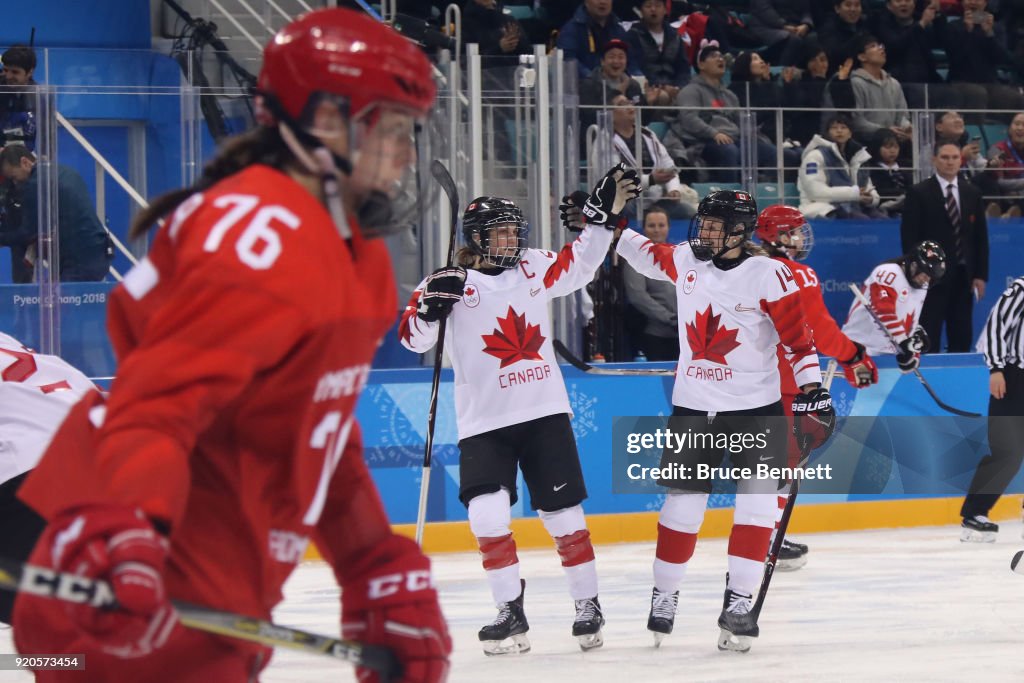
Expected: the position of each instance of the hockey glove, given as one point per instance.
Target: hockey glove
(441, 291)
(908, 355)
(571, 211)
(860, 370)
(120, 546)
(814, 419)
(389, 599)
(616, 189)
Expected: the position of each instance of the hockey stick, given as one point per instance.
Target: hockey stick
(572, 360)
(444, 179)
(1015, 564)
(43, 582)
(787, 511)
(931, 392)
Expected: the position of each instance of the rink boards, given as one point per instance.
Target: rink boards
(393, 412)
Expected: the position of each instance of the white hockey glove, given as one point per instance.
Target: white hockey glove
(616, 189)
(441, 291)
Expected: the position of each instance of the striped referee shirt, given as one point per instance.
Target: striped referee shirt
(1002, 342)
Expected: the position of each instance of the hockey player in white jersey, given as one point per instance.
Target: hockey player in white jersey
(896, 290)
(36, 392)
(512, 408)
(735, 306)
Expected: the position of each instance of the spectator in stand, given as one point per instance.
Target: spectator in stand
(841, 31)
(17, 102)
(651, 304)
(909, 42)
(584, 36)
(890, 181)
(782, 25)
(832, 183)
(708, 120)
(949, 127)
(660, 53)
(754, 87)
(817, 94)
(1006, 160)
(659, 178)
(606, 81)
(975, 54)
(880, 102)
(499, 35)
(85, 249)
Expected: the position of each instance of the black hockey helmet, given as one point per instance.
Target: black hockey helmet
(738, 212)
(484, 213)
(928, 258)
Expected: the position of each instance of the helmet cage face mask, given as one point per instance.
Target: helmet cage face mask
(800, 241)
(486, 215)
(737, 212)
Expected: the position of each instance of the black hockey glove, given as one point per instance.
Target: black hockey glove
(441, 290)
(814, 419)
(571, 211)
(617, 188)
(908, 357)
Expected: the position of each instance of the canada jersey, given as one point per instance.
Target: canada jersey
(730, 322)
(897, 304)
(498, 335)
(36, 393)
(244, 339)
(828, 338)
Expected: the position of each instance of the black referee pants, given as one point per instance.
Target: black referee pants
(1006, 439)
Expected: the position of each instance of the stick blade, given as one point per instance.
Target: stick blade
(1016, 564)
(567, 355)
(440, 173)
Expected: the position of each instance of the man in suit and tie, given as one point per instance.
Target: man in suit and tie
(949, 210)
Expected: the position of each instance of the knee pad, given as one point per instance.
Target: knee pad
(756, 509)
(683, 512)
(490, 514)
(563, 522)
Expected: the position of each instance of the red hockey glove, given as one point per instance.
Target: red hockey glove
(860, 370)
(389, 599)
(814, 419)
(118, 545)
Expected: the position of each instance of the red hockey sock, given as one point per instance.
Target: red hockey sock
(498, 551)
(675, 546)
(749, 542)
(575, 548)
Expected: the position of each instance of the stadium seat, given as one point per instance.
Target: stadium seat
(519, 12)
(659, 128)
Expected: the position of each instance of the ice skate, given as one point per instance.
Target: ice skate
(663, 614)
(588, 623)
(792, 556)
(978, 529)
(507, 634)
(738, 624)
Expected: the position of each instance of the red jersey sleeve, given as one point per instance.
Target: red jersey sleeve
(828, 338)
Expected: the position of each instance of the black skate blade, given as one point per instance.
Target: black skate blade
(517, 644)
(729, 642)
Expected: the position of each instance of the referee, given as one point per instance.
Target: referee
(1002, 345)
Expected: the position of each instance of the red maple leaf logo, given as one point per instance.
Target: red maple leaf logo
(514, 339)
(707, 340)
(469, 291)
(908, 323)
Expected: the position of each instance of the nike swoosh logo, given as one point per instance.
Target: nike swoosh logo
(765, 458)
(744, 309)
(559, 488)
(535, 292)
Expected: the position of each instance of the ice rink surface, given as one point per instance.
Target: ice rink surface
(894, 605)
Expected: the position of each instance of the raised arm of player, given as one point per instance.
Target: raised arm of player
(574, 266)
(654, 260)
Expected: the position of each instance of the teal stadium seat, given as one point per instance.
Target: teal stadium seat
(659, 128)
(519, 12)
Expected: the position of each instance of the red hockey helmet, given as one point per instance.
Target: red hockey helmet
(786, 229)
(346, 53)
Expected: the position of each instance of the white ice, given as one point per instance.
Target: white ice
(906, 604)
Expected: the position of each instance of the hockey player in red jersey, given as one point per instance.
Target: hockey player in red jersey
(788, 237)
(896, 290)
(36, 393)
(735, 306)
(512, 409)
(244, 339)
